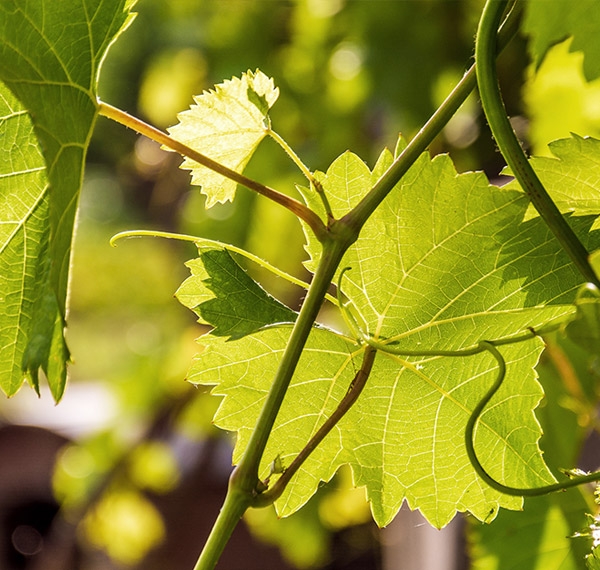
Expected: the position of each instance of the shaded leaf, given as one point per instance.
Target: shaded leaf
(30, 323)
(584, 329)
(547, 23)
(224, 296)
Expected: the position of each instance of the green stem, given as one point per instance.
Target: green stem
(304, 169)
(495, 112)
(297, 208)
(247, 472)
(231, 512)
(244, 483)
(245, 486)
(427, 134)
(470, 443)
(290, 152)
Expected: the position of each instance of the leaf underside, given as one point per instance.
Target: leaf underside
(50, 57)
(223, 296)
(445, 262)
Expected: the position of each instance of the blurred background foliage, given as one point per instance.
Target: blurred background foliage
(352, 75)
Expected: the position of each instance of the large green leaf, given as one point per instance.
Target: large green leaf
(50, 56)
(550, 22)
(227, 125)
(30, 323)
(445, 262)
(412, 415)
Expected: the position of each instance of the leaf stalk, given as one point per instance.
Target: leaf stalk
(354, 391)
(297, 208)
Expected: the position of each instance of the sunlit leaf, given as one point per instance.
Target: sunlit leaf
(227, 125)
(445, 262)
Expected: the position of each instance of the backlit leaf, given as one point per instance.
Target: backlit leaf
(50, 57)
(227, 125)
(445, 262)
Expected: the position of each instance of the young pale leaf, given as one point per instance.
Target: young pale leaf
(550, 22)
(50, 56)
(224, 296)
(226, 125)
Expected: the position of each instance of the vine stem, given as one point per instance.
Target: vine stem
(354, 391)
(244, 483)
(508, 143)
(297, 208)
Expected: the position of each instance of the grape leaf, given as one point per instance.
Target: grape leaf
(30, 322)
(442, 261)
(411, 414)
(445, 262)
(550, 22)
(50, 55)
(227, 125)
(223, 295)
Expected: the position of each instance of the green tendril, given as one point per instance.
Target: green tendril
(206, 243)
(470, 444)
